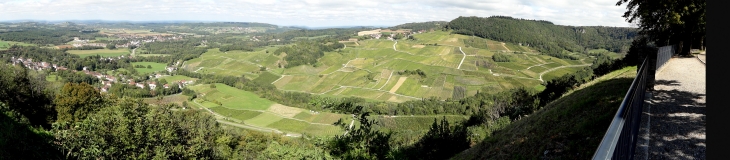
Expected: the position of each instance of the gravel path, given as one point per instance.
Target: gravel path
(676, 119)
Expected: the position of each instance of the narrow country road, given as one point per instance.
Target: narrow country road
(552, 69)
(462, 59)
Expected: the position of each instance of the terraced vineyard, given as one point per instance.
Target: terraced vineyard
(248, 109)
(369, 68)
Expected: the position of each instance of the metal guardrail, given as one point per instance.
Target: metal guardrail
(664, 54)
(619, 142)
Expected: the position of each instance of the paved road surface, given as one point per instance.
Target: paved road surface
(676, 123)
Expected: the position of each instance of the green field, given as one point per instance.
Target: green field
(53, 78)
(176, 78)
(248, 108)
(155, 67)
(232, 97)
(151, 55)
(101, 52)
(6, 44)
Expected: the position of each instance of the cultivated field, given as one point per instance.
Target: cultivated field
(370, 69)
(249, 109)
(155, 67)
(101, 52)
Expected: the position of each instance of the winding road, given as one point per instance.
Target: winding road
(552, 69)
(462, 59)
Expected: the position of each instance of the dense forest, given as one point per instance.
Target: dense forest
(339, 33)
(43, 36)
(417, 26)
(545, 36)
(307, 52)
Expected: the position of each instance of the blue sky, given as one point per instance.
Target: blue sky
(317, 13)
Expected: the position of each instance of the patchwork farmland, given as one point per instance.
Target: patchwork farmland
(248, 109)
(375, 70)
(371, 69)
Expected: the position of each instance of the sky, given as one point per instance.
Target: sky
(317, 13)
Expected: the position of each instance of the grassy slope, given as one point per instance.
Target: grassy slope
(568, 128)
(101, 52)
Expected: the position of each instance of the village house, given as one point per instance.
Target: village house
(152, 85)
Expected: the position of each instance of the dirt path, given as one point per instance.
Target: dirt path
(386, 82)
(282, 76)
(538, 65)
(552, 69)
(196, 71)
(398, 84)
(505, 47)
(396, 42)
(462, 59)
(677, 117)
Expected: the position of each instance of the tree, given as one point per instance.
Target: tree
(76, 101)
(149, 66)
(669, 22)
(24, 92)
(364, 142)
(111, 46)
(130, 128)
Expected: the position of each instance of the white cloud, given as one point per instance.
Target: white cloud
(317, 12)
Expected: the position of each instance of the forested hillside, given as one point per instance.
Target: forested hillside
(545, 36)
(42, 36)
(417, 26)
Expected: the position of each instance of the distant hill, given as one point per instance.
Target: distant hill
(416, 26)
(545, 36)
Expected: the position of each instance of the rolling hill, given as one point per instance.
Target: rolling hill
(545, 36)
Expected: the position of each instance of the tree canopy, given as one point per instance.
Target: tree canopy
(669, 22)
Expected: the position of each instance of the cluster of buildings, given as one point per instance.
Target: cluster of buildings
(377, 33)
(232, 29)
(256, 38)
(106, 80)
(28, 63)
(79, 43)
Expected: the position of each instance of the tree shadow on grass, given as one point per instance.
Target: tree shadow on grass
(678, 120)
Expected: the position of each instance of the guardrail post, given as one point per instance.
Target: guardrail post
(651, 71)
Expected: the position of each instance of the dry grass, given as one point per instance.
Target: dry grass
(398, 84)
(284, 111)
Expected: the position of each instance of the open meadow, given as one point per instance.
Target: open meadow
(154, 67)
(101, 52)
(6, 44)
